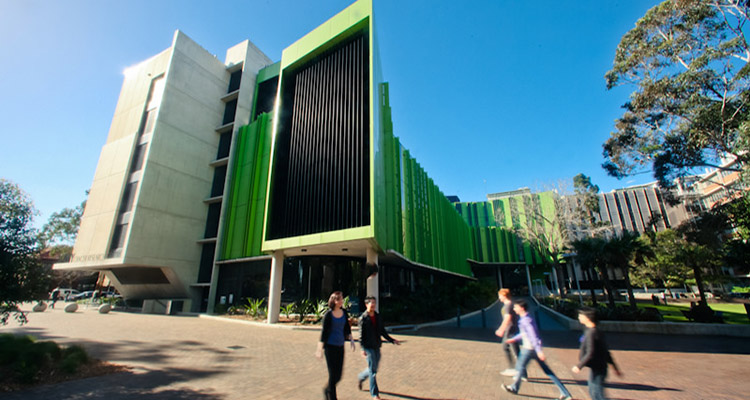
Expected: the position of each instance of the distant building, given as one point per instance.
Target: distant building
(640, 208)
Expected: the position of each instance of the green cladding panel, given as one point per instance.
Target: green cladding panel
(492, 225)
(245, 208)
(412, 216)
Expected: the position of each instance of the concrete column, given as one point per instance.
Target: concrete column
(274, 287)
(556, 285)
(373, 288)
(528, 279)
(211, 291)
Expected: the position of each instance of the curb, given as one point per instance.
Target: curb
(450, 321)
(659, 328)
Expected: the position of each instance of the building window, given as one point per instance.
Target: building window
(138, 157)
(207, 263)
(229, 112)
(212, 220)
(225, 141)
(127, 197)
(220, 175)
(118, 240)
(148, 122)
(234, 81)
(157, 91)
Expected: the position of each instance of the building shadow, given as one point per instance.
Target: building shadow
(121, 386)
(410, 397)
(609, 385)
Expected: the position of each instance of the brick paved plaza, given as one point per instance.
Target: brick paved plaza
(179, 357)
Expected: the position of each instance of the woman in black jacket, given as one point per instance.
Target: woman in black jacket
(336, 330)
(371, 328)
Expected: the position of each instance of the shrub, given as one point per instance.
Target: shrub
(23, 357)
(288, 310)
(72, 358)
(254, 308)
(303, 308)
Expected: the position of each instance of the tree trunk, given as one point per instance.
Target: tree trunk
(591, 286)
(631, 298)
(699, 282)
(608, 287)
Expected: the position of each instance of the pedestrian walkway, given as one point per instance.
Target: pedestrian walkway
(178, 357)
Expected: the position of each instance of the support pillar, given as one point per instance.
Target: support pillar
(578, 284)
(528, 279)
(274, 287)
(557, 281)
(373, 288)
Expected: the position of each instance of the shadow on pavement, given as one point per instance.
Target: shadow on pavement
(609, 385)
(408, 397)
(125, 351)
(122, 386)
(567, 339)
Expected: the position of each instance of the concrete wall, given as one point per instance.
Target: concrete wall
(169, 214)
(111, 173)
(659, 328)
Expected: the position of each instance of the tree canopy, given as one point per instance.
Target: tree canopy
(22, 277)
(688, 60)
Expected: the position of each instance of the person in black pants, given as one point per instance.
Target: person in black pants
(594, 354)
(336, 330)
(371, 328)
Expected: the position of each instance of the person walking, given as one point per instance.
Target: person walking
(508, 328)
(336, 330)
(531, 348)
(371, 328)
(594, 354)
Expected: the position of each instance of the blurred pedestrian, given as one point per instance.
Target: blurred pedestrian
(508, 328)
(531, 348)
(371, 328)
(336, 330)
(594, 354)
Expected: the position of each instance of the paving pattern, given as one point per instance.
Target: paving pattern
(180, 357)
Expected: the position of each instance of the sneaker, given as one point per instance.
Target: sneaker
(564, 397)
(359, 384)
(509, 389)
(508, 372)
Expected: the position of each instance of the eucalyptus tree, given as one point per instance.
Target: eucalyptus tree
(22, 277)
(688, 61)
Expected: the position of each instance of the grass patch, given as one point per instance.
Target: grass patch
(733, 313)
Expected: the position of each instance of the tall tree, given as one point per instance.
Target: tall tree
(586, 200)
(689, 62)
(59, 234)
(543, 225)
(622, 252)
(589, 254)
(62, 226)
(663, 264)
(22, 277)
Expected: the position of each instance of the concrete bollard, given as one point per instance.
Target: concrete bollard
(105, 309)
(39, 307)
(71, 307)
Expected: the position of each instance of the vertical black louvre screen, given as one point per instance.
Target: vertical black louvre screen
(322, 165)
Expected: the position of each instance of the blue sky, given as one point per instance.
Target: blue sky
(488, 95)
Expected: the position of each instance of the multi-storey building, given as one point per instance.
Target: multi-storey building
(640, 208)
(222, 180)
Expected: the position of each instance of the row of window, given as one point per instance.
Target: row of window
(217, 187)
(127, 200)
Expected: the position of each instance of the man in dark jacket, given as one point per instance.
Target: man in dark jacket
(594, 354)
(371, 328)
